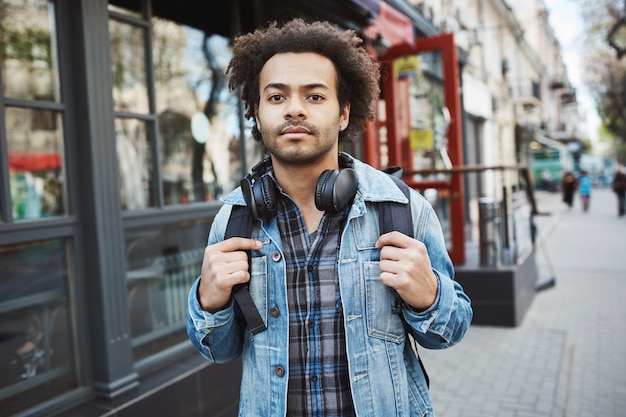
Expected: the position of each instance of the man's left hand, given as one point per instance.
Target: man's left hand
(405, 267)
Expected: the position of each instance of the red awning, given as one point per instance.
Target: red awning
(33, 161)
(394, 27)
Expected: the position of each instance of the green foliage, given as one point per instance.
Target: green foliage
(605, 74)
(27, 46)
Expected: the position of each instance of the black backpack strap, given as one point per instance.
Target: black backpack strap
(240, 225)
(398, 217)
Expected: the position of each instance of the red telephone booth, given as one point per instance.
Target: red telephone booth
(419, 128)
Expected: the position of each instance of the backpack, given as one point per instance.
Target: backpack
(392, 216)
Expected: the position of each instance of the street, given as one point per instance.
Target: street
(567, 357)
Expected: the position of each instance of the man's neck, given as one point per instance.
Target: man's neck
(299, 182)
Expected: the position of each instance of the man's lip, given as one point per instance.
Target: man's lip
(295, 129)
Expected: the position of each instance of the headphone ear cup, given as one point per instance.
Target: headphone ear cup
(335, 190)
(324, 190)
(344, 189)
(265, 197)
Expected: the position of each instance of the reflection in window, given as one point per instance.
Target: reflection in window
(426, 122)
(162, 263)
(27, 53)
(198, 116)
(37, 356)
(130, 91)
(35, 148)
(134, 162)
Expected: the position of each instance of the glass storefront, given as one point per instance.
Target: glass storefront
(162, 263)
(177, 142)
(30, 73)
(38, 358)
(135, 164)
(38, 351)
(179, 138)
(35, 148)
(198, 117)
(29, 55)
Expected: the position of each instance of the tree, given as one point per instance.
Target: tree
(606, 70)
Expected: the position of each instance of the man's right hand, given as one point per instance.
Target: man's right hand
(225, 265)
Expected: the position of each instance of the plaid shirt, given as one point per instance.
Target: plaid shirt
(319, 384)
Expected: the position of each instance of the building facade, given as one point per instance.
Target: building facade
(515, 89)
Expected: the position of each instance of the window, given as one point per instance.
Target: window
(37, 342)
(178, 140)
(33, 122)
(198, 117)
(36, 175)
(36, 345)
(162, 263)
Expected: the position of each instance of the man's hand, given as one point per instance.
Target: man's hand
(225, 265)
(405, 266)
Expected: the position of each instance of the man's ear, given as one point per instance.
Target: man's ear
(256, 116)
(344, 116)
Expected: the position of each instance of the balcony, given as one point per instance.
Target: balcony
(568, 96)
(527, 93)
(557, 84)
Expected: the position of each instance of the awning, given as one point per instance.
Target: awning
(423, 26)
(391, 27)
(33, 161)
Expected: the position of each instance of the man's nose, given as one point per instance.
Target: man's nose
(295, 109)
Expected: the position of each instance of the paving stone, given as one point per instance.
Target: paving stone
(566, 357)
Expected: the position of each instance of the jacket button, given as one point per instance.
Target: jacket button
(276, 256)
(275, 312)
(279, 370)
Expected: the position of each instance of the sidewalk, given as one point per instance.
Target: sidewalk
(568, 356)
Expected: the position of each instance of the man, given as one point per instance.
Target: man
(584, 189)
(334, 294)
(619, 186)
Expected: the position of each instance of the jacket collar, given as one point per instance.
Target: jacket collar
(374, 185)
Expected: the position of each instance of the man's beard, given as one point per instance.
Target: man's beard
(294, 154)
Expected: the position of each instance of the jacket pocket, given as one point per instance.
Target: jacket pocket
(380, 299)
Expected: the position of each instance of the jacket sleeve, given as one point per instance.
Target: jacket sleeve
(217, 336)
(445, 322)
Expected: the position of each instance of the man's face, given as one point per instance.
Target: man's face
(298, 113)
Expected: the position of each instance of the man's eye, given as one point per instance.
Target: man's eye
(316, 97)
(275, 97)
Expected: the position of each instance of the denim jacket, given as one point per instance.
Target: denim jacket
(386, 377)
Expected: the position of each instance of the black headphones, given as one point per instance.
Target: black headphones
(335, 189)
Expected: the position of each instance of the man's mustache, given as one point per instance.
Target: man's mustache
(302, 124)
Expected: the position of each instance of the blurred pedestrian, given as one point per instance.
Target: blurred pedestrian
(584, 189)
(546, 180)
(619, 186)
(569, 185)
